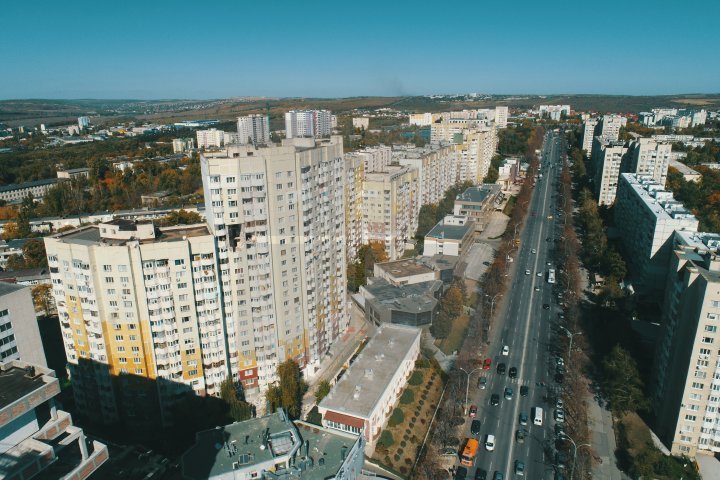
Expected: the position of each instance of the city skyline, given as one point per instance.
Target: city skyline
(334, 51)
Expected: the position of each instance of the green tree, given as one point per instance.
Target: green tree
(322, 390)
(238, 408)
(15, 262)
(289, 391)
(34, 253)
(623, 383)
(180, 217)
(42, 298)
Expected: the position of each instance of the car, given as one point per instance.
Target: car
(475, 428)
(560, 460)
(498, 476)
(539, 274)
(494, 399)
(473, 411)
(487, 364)
(537, 288)
(519, 468)
(482, 383)
(524, 390)
(549, 264)
(533, 251)
(559, 429)
(527, 272)
(559, 415)
(520, 435)
(512, 373)
(549, 217)
(490, 443)
(546, 306)
(480, 474)
(506, 350)
(461, 473)
(559, 403)
(559, 378)
(501, 368)
(508, 393)
(523, 418)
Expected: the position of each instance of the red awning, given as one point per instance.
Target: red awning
(344, 419)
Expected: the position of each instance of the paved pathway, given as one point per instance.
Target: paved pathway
(602, 438)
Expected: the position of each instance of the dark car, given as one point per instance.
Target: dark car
(498, 476)
(560, 460)
(461, 473)
(546, 306)
(512, 373)
(559, 377)
(480, 474)
(473, 411)
(501, 368)
(524, 390)
(475, 428)
(494, 399)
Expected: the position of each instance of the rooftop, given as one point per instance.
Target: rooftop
(20, 186)
(17, 380)
(6, 288)
(90, 235)
(450, 232)
(359, 390)
(412, 298)
(682, 168)
(403, 268)
(660, 201)
(478, 194)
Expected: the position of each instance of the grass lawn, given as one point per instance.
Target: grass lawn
(509, 205)
(457, 335)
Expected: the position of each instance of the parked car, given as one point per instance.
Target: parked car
(524, 390)
(487, 364)
(482, 383)
(475, 428)
(512, 373)
(501, 368)
(473, 411)
(494, 399)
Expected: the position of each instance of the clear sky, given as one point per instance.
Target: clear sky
(157, 49)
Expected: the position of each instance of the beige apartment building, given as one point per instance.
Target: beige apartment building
(436, 166)
(391, 205)
(354, 177)
(649, 157)
(277, 215)
(687, 360)
(607, 159)
(141, 317)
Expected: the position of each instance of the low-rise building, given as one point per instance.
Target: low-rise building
(19, 331)
(362, 400)
(154, 199)
(451, 236)
(16, 192)
(647, 216)
(73, 173)
(477, 203)
(36, 438)
(688, 173)
(361, 122)
(182, 145)
(404, 272)
(272, 447)
(413, 304)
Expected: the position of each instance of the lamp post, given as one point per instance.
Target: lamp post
(492, 302)
(565, 436)
(467, 384)
(570, 335)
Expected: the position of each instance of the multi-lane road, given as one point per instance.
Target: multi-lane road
(531, 306)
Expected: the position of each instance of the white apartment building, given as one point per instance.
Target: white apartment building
(554, 111)
(649, 157)
(278, 219)
(84, 122)
(475, 144)
(19, 331)
(391, 205)
(589, 135)
(609, 126)
(375, 159)
(141, 316)
(421, 119)
(436, 166)
(699, 118)
(607, 159)
(647, 216)
(308, 123)
(211, 138)
(254, 129)
(361, 122)
(501, 116)
(182, 145)
(686, 389)
(354, 173)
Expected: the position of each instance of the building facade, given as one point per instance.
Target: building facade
(477, 203)
(211, 138)
(277, 215)
(16, 192)
(501, 116)
(607, 159)
(436, 166)
(253, 129)
(308, 123)
(182, 145)
(589, 135)
(649, 157)
(19, 331)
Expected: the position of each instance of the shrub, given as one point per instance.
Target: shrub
(416, 378)
(408, 461)
(403, 443)
(396, 457)
(386, 441)
(422, 420)
(407, 397)
(396, 418)
(421, 402)
(403, 470)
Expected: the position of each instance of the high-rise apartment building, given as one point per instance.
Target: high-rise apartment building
(308, 123)
(354, 178)
(687, 360)
(436, 166)
(211, 138)
(609, 126)
(501, 116)
(649, 157)
(182, 145)
(589, 135)
(375, 159)
(254, 129)
(391, 205)
(19, 331)
(84, 122)
(142, 317)
(607, 159)
(421, 119)
(277, 215)
(647, 216)
(475, 143)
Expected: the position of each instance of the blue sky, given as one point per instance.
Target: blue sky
(201, 49)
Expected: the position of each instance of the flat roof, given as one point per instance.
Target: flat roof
(364, 383)
(404, 268)
(682, 168)
(411, 298)
(659, 201)
(6, 288)
(20, 186)
(477, 194)
(216, 450)
(90, 235)
(450, 232)
(17, 380)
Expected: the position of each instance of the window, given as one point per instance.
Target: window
(180, 262)
(698, 385)
(107, 268)
(711, 328)
(109, 280)
(690, 418)
(708, 340)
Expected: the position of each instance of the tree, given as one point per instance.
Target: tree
(623, 383)
(322, 390)
(238, 408)
(452, 302)
(180, 217)
(34, 253)
(42, 298)
(11, 231)
(15, 262)
(289, 391)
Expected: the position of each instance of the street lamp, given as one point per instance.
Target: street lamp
(570, 335)
(492, 303)
(565, 436)
(467, 384)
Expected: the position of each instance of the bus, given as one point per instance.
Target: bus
(469, 453)
(551, 275)
(538, 416)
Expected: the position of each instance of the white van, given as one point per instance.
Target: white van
(538, 416)
(490, 443)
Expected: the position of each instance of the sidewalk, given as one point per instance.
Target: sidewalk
(602, 438)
